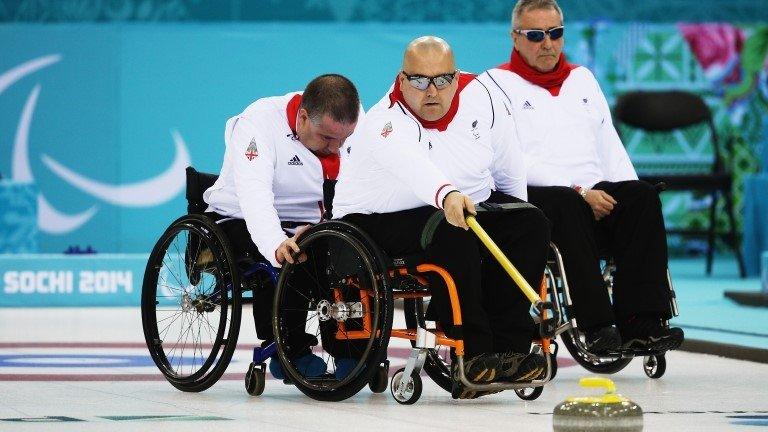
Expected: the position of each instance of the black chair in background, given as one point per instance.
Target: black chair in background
(665, 112)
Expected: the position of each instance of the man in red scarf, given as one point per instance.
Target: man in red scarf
(280, 162)
(432, 147)
(580, 175)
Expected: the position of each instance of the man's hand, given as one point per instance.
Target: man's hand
(602, 204)
(289, 246)
(454, 205)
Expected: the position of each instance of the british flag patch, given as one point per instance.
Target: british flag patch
(251, 152)
(387, 130)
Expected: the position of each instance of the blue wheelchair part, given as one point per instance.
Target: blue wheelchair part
(265, 267)
(261, 354)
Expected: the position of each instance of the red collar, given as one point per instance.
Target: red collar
(552, 81)
(442, 123)
(330, 163)
(292, 110)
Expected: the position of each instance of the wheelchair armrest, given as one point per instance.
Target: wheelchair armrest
(660, 187)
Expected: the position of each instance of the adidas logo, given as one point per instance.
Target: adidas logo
(527, 105)
(295, 161)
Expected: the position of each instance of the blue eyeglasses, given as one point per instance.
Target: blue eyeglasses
(535, 35)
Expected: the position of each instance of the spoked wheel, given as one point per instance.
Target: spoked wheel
(602, 365)
(190, 303)
(413, 387)
(438, 362)
(529, 393)
(655, 366)
(333, 313)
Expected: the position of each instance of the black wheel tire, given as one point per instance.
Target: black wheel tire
(379, 380)
(194, 303)
(436, 365)
(655, 366)
(553, 357)
(360, 258)
(255, 380)
(529, 393)
(607, 367)
(415, 387)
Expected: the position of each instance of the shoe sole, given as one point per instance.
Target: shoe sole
(656, 344)
(486, 375)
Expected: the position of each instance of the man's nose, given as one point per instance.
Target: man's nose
(547, 42)
(431, 90)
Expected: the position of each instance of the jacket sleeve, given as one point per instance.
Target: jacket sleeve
(614, 159)
(253, 182)
(508, 168)
(395, 146)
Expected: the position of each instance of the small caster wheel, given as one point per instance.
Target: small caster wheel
(380, 379)
(529, 393)
(255, 379)
(655, 366)
(412, 391)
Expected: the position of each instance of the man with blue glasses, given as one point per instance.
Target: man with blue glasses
(580, 175)
(437, 143)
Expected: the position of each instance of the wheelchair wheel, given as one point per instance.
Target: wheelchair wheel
(413, 388)
(655, 366)
(191, 303)
(529, 393)
(608, 365)
(336, 306)
(438, 362)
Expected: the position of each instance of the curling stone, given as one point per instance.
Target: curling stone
(610, 412)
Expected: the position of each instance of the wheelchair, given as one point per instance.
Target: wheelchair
(335, 302)
(654, 362)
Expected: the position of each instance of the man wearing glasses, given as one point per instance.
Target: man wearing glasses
(432, 147)
(579, 174)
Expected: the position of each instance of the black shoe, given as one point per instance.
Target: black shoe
(602, 340)
(483, 368)
(648, 333)
(518, 367)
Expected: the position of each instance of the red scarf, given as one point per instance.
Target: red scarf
(552, 81)
(331, 162)
(442, 123)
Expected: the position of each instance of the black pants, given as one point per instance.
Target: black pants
(298, 342)
(246, 253)
(633, 234)
(495, 313)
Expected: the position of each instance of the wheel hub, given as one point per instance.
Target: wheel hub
(339, 311)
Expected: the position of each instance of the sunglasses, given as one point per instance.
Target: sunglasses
(421, 82)
(554, 33)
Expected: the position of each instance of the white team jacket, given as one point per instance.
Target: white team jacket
(268, 176)
(567, 139)
(393, 163)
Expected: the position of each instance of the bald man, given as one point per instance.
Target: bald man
(435, 145)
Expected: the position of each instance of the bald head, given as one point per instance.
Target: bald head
(428, 52)
(429, 57)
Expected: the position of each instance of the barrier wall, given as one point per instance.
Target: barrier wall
(58, 280)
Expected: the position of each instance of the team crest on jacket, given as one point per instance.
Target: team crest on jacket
(251, 152)
(387, 130)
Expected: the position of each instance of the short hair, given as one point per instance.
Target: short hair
(526, 5)
(333, 95)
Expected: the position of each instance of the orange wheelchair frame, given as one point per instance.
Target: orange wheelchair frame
(406, 383)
